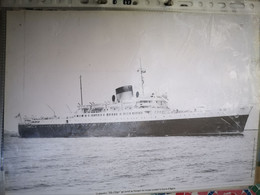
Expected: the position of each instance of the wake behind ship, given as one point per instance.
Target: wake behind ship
(129, 115)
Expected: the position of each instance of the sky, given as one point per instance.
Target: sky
(198, 60)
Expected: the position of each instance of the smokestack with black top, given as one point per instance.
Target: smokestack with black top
(124, 93)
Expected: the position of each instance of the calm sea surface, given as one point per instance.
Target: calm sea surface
(90, 165)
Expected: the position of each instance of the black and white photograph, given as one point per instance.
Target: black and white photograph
(121, 102)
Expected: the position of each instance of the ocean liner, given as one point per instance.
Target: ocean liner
(132, 114)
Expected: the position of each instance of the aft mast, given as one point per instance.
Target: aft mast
(81, 97)
(142, 71)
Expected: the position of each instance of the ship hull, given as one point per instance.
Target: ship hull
(222, 125)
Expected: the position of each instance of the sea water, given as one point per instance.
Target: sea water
(131, 164)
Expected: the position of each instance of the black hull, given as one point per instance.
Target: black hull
(225, 125)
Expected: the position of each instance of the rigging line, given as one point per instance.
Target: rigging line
(68, 108)
(52, 110)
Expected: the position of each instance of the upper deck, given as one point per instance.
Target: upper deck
(138, 104)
